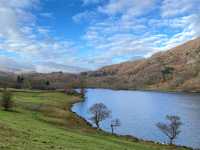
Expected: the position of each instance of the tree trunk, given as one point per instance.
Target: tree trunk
(97, 124)
(171, 141)
(112, 129)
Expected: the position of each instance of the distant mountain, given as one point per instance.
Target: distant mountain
(176, 69)
(56, 80)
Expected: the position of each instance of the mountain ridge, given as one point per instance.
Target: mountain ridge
(175, 69)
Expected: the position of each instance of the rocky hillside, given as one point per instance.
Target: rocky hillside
(175, 69)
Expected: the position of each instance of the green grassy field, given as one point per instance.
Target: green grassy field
(42, 121)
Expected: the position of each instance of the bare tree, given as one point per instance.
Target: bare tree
(82, 88)
(83, 92)
(115, 123)
(171, 129)
(20, 81)
(100, 112)
(47, 83)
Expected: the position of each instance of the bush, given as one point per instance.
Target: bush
(6, 100)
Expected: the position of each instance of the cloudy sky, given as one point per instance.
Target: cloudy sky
(77, 35)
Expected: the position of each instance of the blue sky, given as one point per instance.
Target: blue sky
(78, 35)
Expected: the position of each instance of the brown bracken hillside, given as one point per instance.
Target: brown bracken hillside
(177, 69)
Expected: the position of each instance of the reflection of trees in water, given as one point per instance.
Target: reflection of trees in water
(139, 111)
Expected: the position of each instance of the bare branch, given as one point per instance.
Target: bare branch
(100, 112)
(172, 129)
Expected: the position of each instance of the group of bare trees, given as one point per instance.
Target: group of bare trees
(25, 82)
(171, 129)
(99, 113)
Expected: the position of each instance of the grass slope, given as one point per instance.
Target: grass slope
(42, 121)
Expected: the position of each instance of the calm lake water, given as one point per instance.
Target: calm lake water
(139, 111)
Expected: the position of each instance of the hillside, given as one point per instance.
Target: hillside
(176, 69)
(57, 80)
(43, 121)
(34, 80)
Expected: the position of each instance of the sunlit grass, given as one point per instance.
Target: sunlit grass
(42, 121)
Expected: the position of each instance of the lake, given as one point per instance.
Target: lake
(139, 111)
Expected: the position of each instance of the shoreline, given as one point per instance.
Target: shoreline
(131, 137)
(149, 90)
(101, 131)
(114, 89)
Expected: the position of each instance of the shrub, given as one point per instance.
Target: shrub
(6, 100)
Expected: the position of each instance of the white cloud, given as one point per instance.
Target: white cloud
(87, 2)
(20, 33)
(120, 36)
(84, 16)
(131, 29)
(10, 65)
(127, 8)
(13, 16)
(49, 66)
(171, 8)
(117, 30)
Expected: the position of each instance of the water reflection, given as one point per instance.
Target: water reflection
(139, 111)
